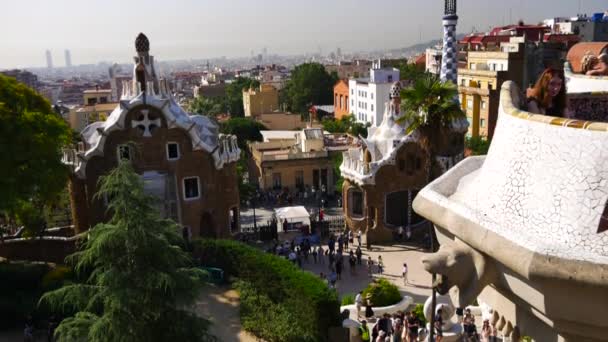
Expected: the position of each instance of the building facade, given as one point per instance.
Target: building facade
(299, 164)
(182, 159)
(341, 102)
(479, 85)
(368, 96)
(262, 100)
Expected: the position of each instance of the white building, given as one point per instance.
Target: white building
(433, 60)
(368, 96)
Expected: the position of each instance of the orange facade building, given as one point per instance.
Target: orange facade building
(341, 107)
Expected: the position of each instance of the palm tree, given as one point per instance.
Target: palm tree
(429, 107)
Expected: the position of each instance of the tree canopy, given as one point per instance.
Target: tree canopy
(140, 284)
(245, 129)
(31, 139)
(208, 106)
(346, 124)
(309, 84)
(234, 94)
(429, 103)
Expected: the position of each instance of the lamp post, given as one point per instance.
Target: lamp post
(433, 292)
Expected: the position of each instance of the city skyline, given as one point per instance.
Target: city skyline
(191, 29)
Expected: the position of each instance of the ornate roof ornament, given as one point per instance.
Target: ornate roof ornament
(395, 91)
(142, 44)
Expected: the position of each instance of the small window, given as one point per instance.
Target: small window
(469, 103)
(483, 104)
(355, 202)
(172, 151)
(390, 78)
(276, 180)
(124, 152)
(482, 123)
(191, 188)
(372, 107)
(372, 96)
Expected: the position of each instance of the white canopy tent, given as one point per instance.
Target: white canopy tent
(295, 217)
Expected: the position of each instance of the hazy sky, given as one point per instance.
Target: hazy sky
(96, 30)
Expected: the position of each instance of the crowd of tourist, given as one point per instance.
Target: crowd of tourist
(398, 327)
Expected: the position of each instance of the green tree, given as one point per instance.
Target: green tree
(346, 124)
(337, 161)
(31, 139)
(478, 145)
(140, 284)
(245, 130)
(410, 71)
(310, 84)
(429, 106)
(208, 106)
(234, 94)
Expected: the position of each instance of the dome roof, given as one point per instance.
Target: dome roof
(142, 44)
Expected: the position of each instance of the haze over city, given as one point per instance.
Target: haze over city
(187, 29)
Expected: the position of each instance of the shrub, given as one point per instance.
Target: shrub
(382, 293)
(279, 302)
(21, 285)
(419, 312)
(348, 299)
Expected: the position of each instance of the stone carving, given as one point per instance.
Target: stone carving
(145, 124)
(461, 270)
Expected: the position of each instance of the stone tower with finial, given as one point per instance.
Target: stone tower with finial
(144, 73)
(449, 61)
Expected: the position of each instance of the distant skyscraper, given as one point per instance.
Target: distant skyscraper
(49, 59)
(68, 58)
(339, 52)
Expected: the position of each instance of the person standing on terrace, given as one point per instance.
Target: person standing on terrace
(548, 96)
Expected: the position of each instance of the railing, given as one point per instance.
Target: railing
(294, 155)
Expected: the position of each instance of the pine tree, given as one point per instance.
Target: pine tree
(140, 284)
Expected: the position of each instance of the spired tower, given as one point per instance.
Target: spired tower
(449, 61)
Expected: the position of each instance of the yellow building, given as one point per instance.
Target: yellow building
(479, 85)
(96, 108)
(97, 96)
(262, 100)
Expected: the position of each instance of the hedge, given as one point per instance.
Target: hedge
(382, 293)
(279, 302)
(21, 285)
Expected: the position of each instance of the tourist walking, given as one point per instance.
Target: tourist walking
(397, 329)
(486, 331)
(413, 324)
(364, 331)
(321, 254)
(359, 255)
(359, 238)
(339, 266)
(380, 265)
(359, 303)
(370, 264)
(315, 251)
(352, 262)
(404, 273)
(345, 240)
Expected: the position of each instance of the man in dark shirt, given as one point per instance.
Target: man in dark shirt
(412, 325)
(384, 324)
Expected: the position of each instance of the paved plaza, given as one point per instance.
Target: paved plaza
(393, 256)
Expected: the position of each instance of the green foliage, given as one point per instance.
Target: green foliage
(309, 84)
(209, 106)
(419, 312)
(31, 139)
(246, 189)
(348, 299)
(527, 339)
(410, 71)
(21, 287)
(337, 161)
(245, 130)
(478, 145)
(234, 95)
(429, 103)
(346, 124)
(382, 292)
(279, 302)
(141, 284)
